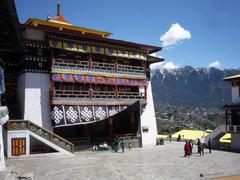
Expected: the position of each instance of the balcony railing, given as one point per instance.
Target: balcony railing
(72, 94)
(68, 63)
(135, 69)
(103, 66)
(233, 128)
(130, 95)
(104, 94)
(76, 94)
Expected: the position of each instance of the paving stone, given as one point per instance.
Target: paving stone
(160, 162)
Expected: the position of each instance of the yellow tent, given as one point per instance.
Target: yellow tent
(191, 134)
(226, 138)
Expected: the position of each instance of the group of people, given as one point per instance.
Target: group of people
(200, 146)
(116, 145)
(100, 146)
(121, 144)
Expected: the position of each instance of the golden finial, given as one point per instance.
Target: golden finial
(59, 13)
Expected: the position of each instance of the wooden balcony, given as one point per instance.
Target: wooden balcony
(80, 94)
(102, 66)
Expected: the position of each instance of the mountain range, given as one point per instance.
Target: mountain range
(190, 98)
(192, 87)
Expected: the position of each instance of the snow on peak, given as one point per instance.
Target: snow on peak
(170, 65)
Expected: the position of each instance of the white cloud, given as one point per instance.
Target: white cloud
(174, 35)
(215, 64)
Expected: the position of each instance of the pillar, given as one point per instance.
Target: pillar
(85, 130)
(90, 61)
(110, 127)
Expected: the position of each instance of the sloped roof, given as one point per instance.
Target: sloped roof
(231, 78)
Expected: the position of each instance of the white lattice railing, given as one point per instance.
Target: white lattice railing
(68, 63)
(103, 66)
(71, 63)
(233, 128)
(71, 94)
(104, 94)
(130, 69)
(76, 94)
(130, 95)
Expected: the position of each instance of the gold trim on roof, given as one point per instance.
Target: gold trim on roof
(36, 22)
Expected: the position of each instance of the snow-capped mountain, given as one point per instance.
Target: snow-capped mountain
(192, 87)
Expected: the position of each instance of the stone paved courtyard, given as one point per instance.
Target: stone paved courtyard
(160, 162)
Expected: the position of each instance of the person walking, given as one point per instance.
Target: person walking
(129, 146)
(191, 146)
(186, 149)
(116, 144)
(170, 138)
(199, 146)
(201, 149)
(122, 143)
(210, 145)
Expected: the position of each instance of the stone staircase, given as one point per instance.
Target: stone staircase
(45, 136)
(216, 134)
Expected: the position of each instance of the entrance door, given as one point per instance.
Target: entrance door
(18, 146)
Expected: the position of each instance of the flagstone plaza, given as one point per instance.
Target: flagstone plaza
(160, 162)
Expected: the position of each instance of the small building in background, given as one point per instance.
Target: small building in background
(233, 112)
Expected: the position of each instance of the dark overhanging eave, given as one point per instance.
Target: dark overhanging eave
(149, 48)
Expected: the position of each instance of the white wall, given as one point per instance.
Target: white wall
(26, 134)
(35, 101)
(235, 94)
(148, 120)
(17, 134)
(21, 94)
(2, 158)
(3, 120)
(235, 141)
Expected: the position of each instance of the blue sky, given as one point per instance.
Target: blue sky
(203, 31)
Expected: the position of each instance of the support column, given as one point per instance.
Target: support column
(116, 65)
(145, 92)
(145, 67)
(132, 122)
(51, 80)
(90, 61)
(90, 91)
(85, 130)
(110, 127)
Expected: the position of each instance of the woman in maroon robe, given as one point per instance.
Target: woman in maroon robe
(187, 149)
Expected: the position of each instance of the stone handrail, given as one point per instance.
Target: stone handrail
(13, 125)
(127, 136)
